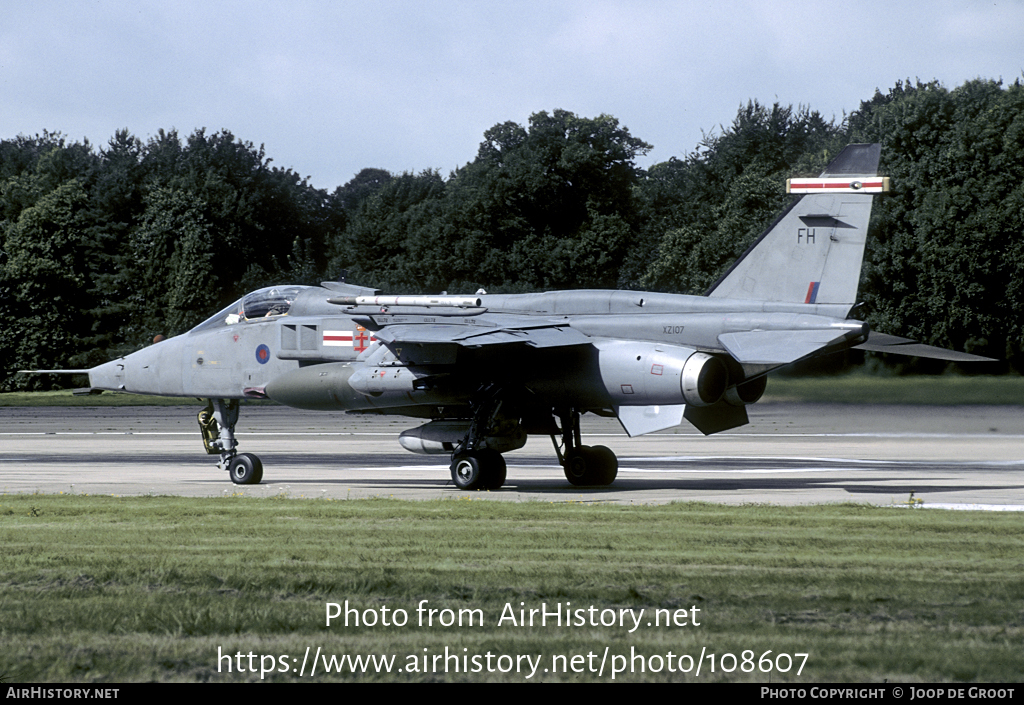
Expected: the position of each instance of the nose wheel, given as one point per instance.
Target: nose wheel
(245, 469)
(217, 424)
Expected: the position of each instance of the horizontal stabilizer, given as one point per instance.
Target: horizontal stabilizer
(776, 347)
(883, 343)
(638, 420)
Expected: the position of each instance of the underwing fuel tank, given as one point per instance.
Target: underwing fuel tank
(442, 436)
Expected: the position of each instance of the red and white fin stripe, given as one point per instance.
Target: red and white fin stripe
(842, 184)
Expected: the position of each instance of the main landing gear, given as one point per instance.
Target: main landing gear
(217, 424)
(583, 465)
(474, 466)
(477, 467)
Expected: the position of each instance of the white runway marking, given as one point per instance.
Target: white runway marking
(728, 471)
(974, 507)
(801, 459)
(956, 457)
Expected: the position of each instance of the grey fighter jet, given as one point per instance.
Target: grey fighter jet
(483, 372)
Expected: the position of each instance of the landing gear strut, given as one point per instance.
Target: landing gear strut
(474, 467)
(583, 465)
(217, 424)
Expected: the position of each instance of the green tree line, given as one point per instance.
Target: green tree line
(103, 248)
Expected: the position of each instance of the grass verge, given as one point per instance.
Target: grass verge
(154, 588)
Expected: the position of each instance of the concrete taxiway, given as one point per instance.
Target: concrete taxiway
(970, 456)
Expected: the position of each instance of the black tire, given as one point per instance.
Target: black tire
(479, 470)
(588, 465)
(494, 469)
(606, 465)
(579, 466)
(245, 469)
(466, 471)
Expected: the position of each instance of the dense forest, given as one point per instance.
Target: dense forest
(103, 248)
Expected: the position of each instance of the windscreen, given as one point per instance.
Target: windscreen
(262, 304)
(272, 301)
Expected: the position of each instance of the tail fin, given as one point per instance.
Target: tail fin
(813, 252)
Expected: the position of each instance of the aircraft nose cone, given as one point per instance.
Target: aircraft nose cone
(109, 375)
(152, 370)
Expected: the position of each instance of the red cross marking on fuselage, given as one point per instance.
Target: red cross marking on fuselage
(361, 340)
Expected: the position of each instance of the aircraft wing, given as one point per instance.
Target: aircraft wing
(530, 334)
(884, 343)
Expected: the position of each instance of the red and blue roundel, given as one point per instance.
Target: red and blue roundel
(262, 354)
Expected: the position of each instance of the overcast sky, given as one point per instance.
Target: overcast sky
(331, 87)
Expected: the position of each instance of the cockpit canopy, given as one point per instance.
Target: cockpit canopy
(270, 302)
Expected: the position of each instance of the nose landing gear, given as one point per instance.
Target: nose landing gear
(217, 424)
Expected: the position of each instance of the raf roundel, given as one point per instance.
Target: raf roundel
(262, 354)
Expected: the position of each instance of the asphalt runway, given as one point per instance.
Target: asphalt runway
(952, 457)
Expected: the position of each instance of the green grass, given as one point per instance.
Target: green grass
(148, 588)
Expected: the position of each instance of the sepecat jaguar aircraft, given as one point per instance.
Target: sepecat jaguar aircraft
(485, 371)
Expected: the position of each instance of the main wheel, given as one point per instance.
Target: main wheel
(245, 469)
(591, 466)
(579, 466)
(479, 470)
(606, 465)
(466, 473)
(494, 469)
